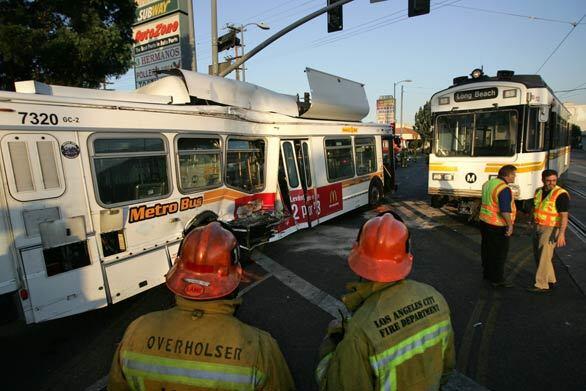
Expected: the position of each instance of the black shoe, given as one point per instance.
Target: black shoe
(552, 285)
(537, 290)
(502, 284)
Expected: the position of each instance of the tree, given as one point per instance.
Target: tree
(67, 42)
(423, 122)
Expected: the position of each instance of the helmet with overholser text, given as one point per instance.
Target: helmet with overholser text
(207, 266)
(381, 252)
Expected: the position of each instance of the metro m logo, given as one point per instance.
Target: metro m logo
(470, 177)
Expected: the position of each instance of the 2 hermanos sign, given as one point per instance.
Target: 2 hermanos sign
(161, 38)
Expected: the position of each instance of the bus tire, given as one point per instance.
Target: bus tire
(375, 192)
(200, 220)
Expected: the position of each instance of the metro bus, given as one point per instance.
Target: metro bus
(98, 188)
(481, 123)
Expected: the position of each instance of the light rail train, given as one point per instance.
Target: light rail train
(481, 123)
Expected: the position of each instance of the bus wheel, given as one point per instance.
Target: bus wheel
(375, 192)
(202, 219)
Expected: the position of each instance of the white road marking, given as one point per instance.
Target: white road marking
(99, 385)
(310, 292)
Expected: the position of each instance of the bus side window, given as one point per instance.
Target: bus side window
(245, 164)
(130, 169)
(365, 151)
(199, 160)
(339, 158)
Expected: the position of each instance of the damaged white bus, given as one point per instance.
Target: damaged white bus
(97, 188)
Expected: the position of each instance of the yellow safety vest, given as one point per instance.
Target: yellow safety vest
(489, 209)
(545, 211)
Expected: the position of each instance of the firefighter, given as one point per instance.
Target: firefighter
(497, 217)
(400, 336)
(200, 344)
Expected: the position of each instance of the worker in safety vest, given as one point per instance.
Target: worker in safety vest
(497, 216)
(199, 344)
(400, 336)
(550, 219)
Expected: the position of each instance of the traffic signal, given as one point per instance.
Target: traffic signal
(228, 40)
(335, 20)
(418, 7)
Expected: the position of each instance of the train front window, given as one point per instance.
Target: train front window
(454, 135)
(492, 133)
(495, 133)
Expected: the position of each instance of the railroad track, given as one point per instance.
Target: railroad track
(575, 225)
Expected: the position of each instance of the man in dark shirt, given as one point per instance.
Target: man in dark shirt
(497, 217)
(550, 217)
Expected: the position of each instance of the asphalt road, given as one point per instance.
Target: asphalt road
(507, 339)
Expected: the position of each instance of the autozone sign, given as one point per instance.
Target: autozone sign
(159, 30)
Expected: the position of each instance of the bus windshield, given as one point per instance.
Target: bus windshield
(492, 133)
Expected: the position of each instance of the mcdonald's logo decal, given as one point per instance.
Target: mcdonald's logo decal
(329, 199)
(333, 197)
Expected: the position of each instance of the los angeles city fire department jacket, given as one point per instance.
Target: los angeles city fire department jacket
(399, 338)
(198, 346)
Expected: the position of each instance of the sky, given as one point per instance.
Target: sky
(379, 45)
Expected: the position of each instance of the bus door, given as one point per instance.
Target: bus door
(296, 167)
(388, 163)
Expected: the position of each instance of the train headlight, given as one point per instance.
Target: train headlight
(477, 73)
(509, 93)
(436, 176)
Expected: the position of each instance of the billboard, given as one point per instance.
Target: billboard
(161, 39)
(385, 106)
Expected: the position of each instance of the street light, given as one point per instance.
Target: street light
(241, 29)
(395, 102)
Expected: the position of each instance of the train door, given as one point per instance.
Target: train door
(296, 182)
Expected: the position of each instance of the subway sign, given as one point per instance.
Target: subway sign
(479, 94)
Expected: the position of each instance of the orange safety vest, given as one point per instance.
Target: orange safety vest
(489, 210)
(545, 211)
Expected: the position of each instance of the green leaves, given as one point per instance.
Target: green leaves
(67, 42)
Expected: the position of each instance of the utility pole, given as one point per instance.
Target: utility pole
(214, 8)
(401, 107)
(279, 34)
(192, 36)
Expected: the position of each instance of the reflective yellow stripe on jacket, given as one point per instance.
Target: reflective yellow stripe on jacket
(489, 209)
(545, 211)
(385, 364)
(140, 367)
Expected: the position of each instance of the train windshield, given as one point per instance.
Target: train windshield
(491, 133)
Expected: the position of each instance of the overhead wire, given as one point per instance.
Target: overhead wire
(560, 44)
(517, 15)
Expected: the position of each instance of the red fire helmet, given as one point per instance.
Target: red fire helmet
(381, 252)
(207, 266)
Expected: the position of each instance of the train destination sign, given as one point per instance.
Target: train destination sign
(479, 94)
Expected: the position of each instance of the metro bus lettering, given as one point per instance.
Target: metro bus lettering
(143, 212)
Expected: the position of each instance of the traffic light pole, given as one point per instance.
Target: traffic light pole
(276, 36)
(214, 9)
